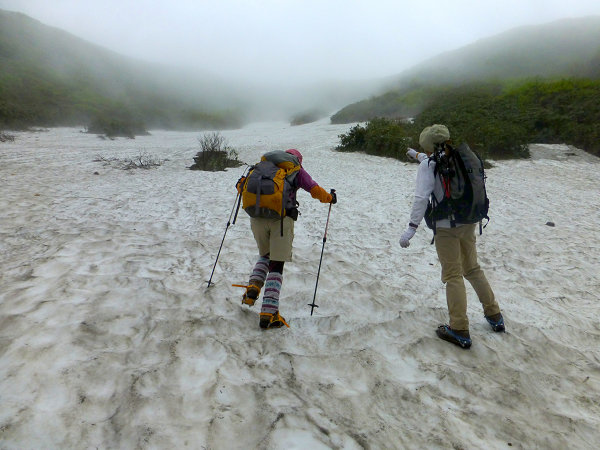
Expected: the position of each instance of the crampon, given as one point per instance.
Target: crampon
(252, 292)
(268, 320)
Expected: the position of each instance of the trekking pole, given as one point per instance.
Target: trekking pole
(313, 305)
(238, 201)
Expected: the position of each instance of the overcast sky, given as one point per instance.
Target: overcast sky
(295, 40)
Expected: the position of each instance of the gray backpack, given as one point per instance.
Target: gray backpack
(463, 178)
(268, 190)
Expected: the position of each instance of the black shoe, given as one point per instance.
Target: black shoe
(496, 321)
(457, 337)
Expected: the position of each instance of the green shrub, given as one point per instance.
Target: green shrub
(489, 123)
(306, 117)
(4, 137)
(387, 137)
(215, 155)
(560, 111)
(116, 123)
(354, 140)
(380, 136)
(498, 120)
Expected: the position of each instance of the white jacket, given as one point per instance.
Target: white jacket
(427, 184)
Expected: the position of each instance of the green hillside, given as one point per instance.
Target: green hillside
(49, 77)
(568, 48)
(497, 121)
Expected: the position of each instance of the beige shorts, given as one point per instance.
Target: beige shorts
(267, 233)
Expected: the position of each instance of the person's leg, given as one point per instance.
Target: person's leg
(281, 251)
(448, 249)
(269, 312)
(260, 271)
(261, 231)
(473, 272)
(256, 280)
(280, 247)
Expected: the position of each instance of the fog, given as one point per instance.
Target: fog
(294, 41)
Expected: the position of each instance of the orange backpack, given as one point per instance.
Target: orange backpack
(267, 190)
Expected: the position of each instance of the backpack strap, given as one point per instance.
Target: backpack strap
(288, 182)
(444, 178)
(283, 194)
(257, 205)
(434, 203)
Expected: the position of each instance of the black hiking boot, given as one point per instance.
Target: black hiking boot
(457, 337)
(268, 320)
(496, 321)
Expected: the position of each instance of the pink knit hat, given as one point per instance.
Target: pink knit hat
(296, 153)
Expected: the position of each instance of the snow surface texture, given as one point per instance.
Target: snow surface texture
(109, 337)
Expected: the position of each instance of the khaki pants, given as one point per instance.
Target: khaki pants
(458, 256)
(267, 234)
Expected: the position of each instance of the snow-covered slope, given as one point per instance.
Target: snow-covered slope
(109, 337)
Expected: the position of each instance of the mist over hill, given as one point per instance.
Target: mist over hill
(560, 49)
(564, 48)
(49, 77)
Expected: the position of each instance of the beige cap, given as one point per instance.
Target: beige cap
(435, 134)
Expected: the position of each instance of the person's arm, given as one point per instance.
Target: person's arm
(305, 182)
(424, 187)
(418, 156)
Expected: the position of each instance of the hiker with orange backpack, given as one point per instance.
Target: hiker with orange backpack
(452, 211)
(269, 197)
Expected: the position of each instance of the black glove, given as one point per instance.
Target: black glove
(334, 199)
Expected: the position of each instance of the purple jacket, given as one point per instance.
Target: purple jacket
(304, 181)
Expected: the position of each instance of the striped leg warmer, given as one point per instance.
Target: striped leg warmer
(260, 271)
(270, 302)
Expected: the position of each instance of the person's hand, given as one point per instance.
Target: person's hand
(412, 153)
(333, 197)
(417, 156)
(407, 236)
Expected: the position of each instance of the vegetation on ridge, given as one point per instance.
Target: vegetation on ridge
(496, 120)
(51, 78)
(567, 48)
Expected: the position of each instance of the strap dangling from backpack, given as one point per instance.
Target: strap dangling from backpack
(284, 192)
(258, 189)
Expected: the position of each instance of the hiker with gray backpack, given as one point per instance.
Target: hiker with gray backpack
(268, 195)
(450, 194)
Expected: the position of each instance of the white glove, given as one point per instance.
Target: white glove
(407, 236)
